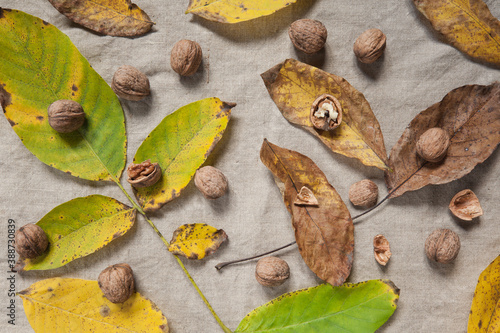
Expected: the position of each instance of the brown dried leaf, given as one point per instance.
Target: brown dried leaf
(294, 86)
(324, 233)
(471, 117)
(109, 17)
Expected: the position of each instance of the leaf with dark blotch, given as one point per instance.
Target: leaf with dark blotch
(294, 86)
(196, 241)
(471, 117)
(109, 17)
(466, 24)
(324, 233)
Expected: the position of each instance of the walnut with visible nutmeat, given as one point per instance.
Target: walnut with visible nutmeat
(144, 174)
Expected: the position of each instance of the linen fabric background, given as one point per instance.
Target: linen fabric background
(417, 70)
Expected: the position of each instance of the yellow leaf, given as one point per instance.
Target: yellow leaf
(109, 17)
(485, 310)
(74, 305)
(234, 11)
(294, 86)
(196, 241)
(466, 24)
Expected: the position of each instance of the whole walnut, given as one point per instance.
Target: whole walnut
(433, 145)
(272, 271)
(369, 46)
(442, 246)
(144, 174)
(186, 57)
(211, 182)
(65, 115)
(363, 193)
(117, 283)
(30, 241)
(130, 83)
(307, 35)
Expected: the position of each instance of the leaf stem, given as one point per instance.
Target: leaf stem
(167, 244)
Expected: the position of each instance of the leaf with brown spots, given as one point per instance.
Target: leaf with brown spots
(70, 305)
(471, 117)
(78, 228)
(324, 233)
(196, 241)
(294, 86)
(180, 144)
(484, 314)
(109, 17)
(234, 11)
(466, 24)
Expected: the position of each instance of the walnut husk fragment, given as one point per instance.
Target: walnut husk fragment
(433, 144)
(364, 193)
(306, 197)
(186, 57)
(130, 83)
(272, 271)
(465, 205)
(369, 46)
(144, 174)
(65, 116)
(211, 182)
(326, 113)
(30, 241)
(442, 246)
(117, 283)
(308, 35)
(381, 249)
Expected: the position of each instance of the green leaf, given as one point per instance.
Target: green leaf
(78, 228)
(196, 241)
(180, 144)
(39, 65)
(361, 307)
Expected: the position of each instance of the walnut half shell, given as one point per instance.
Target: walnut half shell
(144, 174)
(381, 249)
(326, 113)
(465, 205)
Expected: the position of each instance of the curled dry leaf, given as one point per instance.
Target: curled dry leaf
(471, 117)
(381, 249)
(324, 233)
(294, 86)
(196, 241)
(467, 25)
(465, 205)
(109, 17)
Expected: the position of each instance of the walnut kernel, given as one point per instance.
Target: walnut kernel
(307, 35)
(130, 83)
(66, 116)
(186, 57)
(117, 283)
(272, 271)
(363, 193)
(211, 182)
(30, 241)
(144, 174)
(326, 113)
(433, 144)
(465, 205)
(442, 246)
(369, 46)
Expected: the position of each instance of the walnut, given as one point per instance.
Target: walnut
(30, 241)
(211, 182)
(65, 115)
(144, 174)
(306, 197)
(186, 57)
(363, 193)
(381, 249)
(326, 113)
(369, 46)
(117, 283)
(272, 271)
(130, 83)
(442, 246)
(433, 144)
(307, 35)
(465, 205)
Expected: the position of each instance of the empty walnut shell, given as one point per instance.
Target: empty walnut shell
(326, 113)
(465, 205)
(65, 115)
(186, 57)
(442, 246)
(433, 144)
(307, 35)
(211, 182)
(364, 193)
(130, 83)
(381, 249)
(117, 283)
(272, 271)
(306, 197)
(144, 174)
(369, 46)
(30, 241)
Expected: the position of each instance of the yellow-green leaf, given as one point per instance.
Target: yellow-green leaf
(484, 314)
(294, 86)
(74, 305)
(109, 17)
(234, 11)
(39, 65)
(78, 228)
(196, 241)
(180, 144)
(466, 24)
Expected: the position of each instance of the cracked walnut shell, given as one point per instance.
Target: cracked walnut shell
(381, 249)
(130, 83)
(30, 241)
(117, 283)
(326, 113)
(186, 57)
(369, 46)
(309, 36)
(442, 246)
(465, 205)
(272, 271)
(144, 174)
